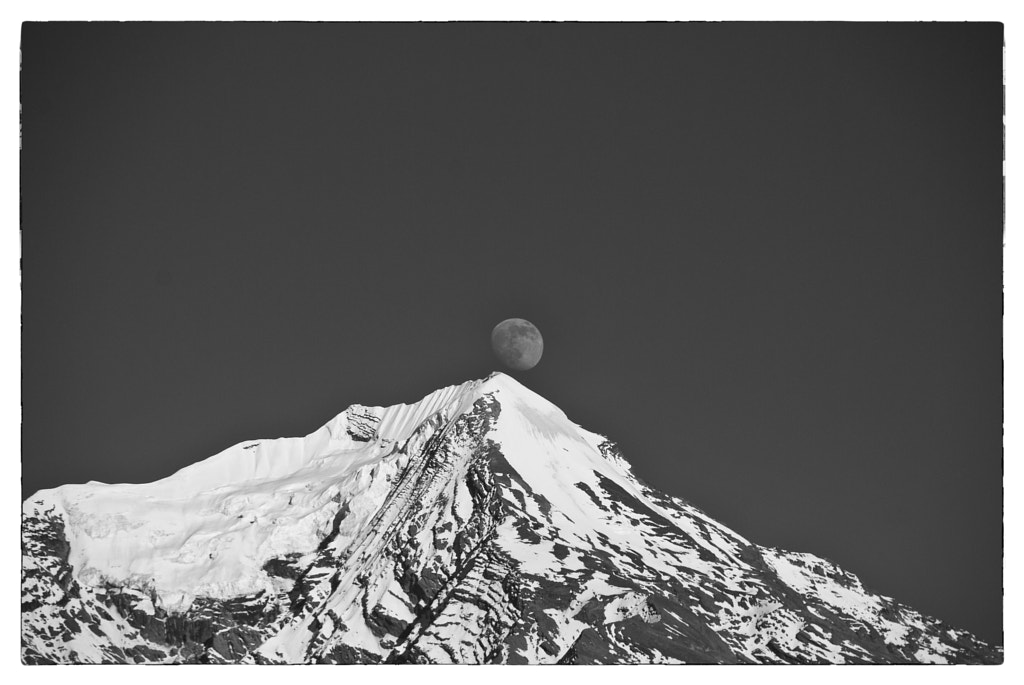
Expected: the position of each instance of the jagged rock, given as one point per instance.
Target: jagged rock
(362, 423)
(284, 567)
(478, 525)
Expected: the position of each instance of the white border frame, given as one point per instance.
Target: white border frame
(13, 13)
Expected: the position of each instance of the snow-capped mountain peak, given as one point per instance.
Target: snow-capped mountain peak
(479, 524)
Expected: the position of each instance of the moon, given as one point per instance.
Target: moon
(517, 344)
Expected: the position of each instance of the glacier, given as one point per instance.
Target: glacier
(478, 525)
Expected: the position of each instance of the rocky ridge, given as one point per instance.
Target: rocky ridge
(479, 525)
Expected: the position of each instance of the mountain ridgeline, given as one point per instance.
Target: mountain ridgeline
(479, 525)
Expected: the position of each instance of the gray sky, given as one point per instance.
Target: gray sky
(766, 258)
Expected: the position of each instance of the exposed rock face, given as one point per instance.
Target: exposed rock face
(362, 423)
(479, 525)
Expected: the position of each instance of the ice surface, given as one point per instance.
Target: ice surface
(478, 524)
(208, 529)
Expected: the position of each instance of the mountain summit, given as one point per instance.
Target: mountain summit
(478, 525)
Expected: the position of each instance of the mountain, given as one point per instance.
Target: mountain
(479, 525)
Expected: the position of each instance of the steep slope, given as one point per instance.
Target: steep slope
(479, 525)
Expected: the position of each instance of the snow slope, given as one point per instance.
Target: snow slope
(477, 525)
